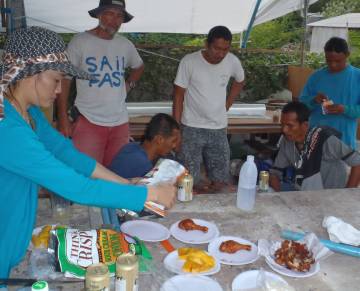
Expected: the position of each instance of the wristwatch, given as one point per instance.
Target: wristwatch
(132, 84)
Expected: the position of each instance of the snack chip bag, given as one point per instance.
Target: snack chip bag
(76, 249)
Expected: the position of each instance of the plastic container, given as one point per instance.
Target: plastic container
(247, 185)
(61, 208)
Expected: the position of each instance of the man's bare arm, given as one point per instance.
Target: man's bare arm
(63, 122)
(274, 183)
(354, 177)
(235, 90)
(134, 76)
(178, 103)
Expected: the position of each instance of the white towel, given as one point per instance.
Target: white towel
(340, 231)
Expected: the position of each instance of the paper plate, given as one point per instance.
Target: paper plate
(174, 264)
(190, 283)
(290, 273)
(241, 257)
(146, 230)
(248, 280)
(195, 236)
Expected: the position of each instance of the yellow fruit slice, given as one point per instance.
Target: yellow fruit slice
(196, 260)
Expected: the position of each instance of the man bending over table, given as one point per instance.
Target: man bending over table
(318, 155)
(162, 136)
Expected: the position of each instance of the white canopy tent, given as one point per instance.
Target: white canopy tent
(173, 16)
(336, 26)
(274, 9)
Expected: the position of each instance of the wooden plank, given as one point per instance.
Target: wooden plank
(297, 78)
(235, 125)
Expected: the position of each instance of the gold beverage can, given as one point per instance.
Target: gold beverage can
(127, 272)
(264, 181)
(185, 188)
(97, 278)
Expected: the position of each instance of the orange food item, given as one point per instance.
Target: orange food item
(231, 247)
(41, 240)
(189, 224)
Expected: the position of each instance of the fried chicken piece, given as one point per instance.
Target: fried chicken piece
(231, 247)
(294, 256)
(189, 224)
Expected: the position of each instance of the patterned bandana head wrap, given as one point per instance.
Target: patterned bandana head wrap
(30, 51)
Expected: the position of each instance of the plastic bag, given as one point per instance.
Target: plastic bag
(267, 284)
(165, 171)
(42, 265)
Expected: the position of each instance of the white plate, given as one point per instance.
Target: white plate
(190, 283)
(248, 280)
(241, 257)
(145, 230)
(195, 236)
(290, 273)
(174, 264)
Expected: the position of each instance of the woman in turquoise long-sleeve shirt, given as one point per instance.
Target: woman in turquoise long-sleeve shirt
(340, 83)
(33, 154)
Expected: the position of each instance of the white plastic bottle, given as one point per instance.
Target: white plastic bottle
(247, 185)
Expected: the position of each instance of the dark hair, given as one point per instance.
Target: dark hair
(301, 110)
(160, 124)
(219, 32)
(337, 44)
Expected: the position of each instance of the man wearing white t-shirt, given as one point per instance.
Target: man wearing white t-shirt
(200, 105)
(102, 127)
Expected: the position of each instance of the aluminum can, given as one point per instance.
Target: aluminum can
(97, 278)
(185, 188)
(264, 181)
(127, 272)
(40, 286)
(325, 104)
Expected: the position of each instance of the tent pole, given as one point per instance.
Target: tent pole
(303, 42)
(241, 38)
(251, 23)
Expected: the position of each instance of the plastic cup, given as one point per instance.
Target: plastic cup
(60, 207)
(276, 116)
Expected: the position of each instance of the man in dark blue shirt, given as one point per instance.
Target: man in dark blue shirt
(162, 135)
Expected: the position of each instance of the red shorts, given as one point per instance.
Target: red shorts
(100, 142)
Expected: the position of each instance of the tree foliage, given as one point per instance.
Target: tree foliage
(265, 70)
(339, 7)
(318, 6)
(277, 33)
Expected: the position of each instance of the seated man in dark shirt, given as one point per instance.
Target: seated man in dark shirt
(317, 154)
(162, 136)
